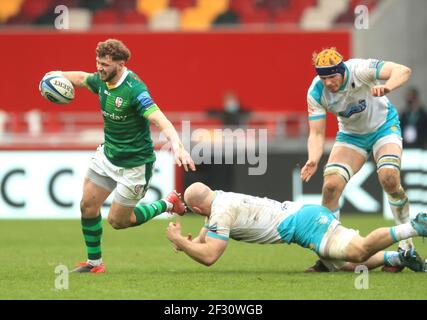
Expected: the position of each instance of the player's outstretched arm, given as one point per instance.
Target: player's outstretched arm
(395, 74)
(201, 238)
(206, 253)
(77, 78)
(182, 157)
(316, 140)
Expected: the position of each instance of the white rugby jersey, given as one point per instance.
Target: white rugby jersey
(247, 218)
(356, 109)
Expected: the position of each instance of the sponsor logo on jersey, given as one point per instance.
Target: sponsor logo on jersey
(106, 92)
(118, 102)
(113, 116)
(353, 108)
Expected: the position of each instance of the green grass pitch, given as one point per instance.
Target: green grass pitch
(142, 265)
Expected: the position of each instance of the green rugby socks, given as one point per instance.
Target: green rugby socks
(92, 233)
(144, 213)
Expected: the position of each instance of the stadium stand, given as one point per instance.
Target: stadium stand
(166, 20)
(190, 14)
(134, 18)
(324, 14)
(151, 7)
(106, 17)
(9, 9)
(164, 15)
(80, 19)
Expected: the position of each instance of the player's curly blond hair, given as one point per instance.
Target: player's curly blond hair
(327, 57)
(113, 48)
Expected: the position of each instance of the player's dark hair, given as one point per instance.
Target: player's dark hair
(113, 48)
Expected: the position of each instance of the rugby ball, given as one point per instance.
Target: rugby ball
(56, 89)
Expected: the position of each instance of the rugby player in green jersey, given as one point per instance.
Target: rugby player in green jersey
(125, 160)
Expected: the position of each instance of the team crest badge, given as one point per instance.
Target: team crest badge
(119, 102)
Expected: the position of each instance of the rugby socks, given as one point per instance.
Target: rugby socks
(392, 259)
(144, 213)
(402, 232)
(399, 206)
(92, 233)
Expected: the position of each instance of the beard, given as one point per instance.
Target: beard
(107, 77)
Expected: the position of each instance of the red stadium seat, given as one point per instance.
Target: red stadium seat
(32, 9)
(256, 16)
(369, 3)
(123, 5)
(134, 18)
(18, 19)
(68, 3)
(286, 16)
(106, 17)
(298, 6)
(182, 4)
(293, 12)
(242, 6)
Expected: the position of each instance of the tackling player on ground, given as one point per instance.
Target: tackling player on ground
(125, 161)
(261, 220)
(368, 123)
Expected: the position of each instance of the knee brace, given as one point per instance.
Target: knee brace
(389, 161)
(341, 169)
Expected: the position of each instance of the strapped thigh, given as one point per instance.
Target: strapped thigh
(341, 169)
(334, 244)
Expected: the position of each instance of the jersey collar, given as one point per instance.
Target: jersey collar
(122, 78)
(347, 73)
